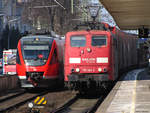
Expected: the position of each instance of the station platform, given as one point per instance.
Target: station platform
(131, 94)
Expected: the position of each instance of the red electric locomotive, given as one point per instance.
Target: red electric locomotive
(94, 57)
(38, 61)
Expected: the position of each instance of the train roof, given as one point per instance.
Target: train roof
(36, 36)
(86, 31)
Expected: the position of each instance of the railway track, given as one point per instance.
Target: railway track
(80, 104)
(15, 101)
(11, 96)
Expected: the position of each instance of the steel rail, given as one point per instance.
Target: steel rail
(12, 96)
(20, 103)
(66, 105)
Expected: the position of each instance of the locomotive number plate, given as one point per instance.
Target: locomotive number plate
(88, 70)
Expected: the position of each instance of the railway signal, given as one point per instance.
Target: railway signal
(143, 32)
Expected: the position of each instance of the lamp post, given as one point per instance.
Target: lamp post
(72, 6)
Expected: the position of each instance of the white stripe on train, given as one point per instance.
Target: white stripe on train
(98, 60)
(47, 77)
(74, 60)
(102, 60)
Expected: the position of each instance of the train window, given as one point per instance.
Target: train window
(36, 42)
(99, 40)
(78, 41)
(36, 54)
(32, 51)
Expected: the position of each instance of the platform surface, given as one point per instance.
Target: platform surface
(129, 95)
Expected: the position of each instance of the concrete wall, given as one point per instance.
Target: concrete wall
(8, 82)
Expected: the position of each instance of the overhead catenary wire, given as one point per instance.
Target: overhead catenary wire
(60, 4)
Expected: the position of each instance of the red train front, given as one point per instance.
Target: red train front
(37, 61)
(87, 58)
(93, 58)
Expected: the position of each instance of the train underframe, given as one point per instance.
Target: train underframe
(89, 82)
(24, 83)
(36, 79)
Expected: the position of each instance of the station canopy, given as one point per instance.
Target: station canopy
(129, 14)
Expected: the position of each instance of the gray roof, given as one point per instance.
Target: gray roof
(36, 36)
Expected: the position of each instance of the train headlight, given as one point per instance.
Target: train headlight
(77, 70)
(100, 69)
(82, 52)
(26, 62)
(88, 50)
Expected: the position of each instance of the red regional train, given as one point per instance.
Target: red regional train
(38, 61)
(93, 58)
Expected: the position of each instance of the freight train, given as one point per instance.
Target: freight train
(94, 57)
(39, 61)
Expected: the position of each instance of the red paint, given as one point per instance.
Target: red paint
(120, 51)
(50, 70)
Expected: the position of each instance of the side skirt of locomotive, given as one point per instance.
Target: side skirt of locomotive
(88, 82)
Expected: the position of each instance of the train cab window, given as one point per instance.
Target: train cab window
(78, 41)
(99, 40)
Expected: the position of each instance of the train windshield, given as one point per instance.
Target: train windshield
(99, 40)
(36, 54)
(78, 41)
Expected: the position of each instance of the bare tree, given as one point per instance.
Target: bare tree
(47, 14)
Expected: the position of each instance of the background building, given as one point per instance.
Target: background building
(12, 10)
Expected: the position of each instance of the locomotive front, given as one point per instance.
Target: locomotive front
(87, 59)
(34, 65)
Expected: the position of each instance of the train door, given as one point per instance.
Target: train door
(54, 63)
